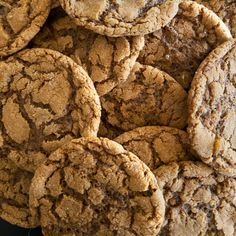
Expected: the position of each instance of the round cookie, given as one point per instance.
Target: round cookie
(183, 44)
(107, 60)
(14, 194)
(20, 21)
(46, 100)
(156, 145)
(148, 97)
(92, 186)
(225, 9)
(121, 18)
(199, 201)
(212, 109)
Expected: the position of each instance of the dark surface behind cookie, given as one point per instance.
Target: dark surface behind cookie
(7, 229)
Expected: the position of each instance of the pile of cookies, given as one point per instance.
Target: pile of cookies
(118, 117)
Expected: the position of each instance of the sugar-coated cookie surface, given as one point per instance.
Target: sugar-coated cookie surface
(92, 186)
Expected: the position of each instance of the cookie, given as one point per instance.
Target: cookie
(92, 186)
(183, 44)
(46, 100)
(55, 4)
(212, 110)
(148, 97)
(121, 18)
(156, 145)
(20, 21)
(225, 9)
(199, 201)
(107, 69)
(14, 194)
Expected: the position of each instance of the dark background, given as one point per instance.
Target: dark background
(7, 229)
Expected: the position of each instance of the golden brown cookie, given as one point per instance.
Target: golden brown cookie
(20, 21)
(225, 9)
(212, 109)
(121, 18)
(156, 145)
(148, 97)
(14, 193)
(199, 201)
(46, 100)
(92, 186)
(107, 60)
(182, 45)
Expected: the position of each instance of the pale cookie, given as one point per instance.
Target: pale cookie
(20, 21)
(183, 44)
(14, 193)
(156, 145)
(199, 201)
(55, 4)
(212, 109)
(46, 100)
(108, 60)
(225, 9)
(92, 186)
(148, 97)
(121, 17)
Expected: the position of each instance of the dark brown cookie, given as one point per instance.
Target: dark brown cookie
(121, 18)
(199, 201)
(148, 97)
(107, 60)
(157, 145)
(20, 21)
(46, 100)
(212, 109)
(92, 186)
(14, 194)
(183, 44)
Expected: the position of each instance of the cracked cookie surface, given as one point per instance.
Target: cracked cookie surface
(46, 100)
(20, 21)
(212, 109)
(107, 60)
(92, 186)
(148, 97)
(199, 201)
(156, 145)
(225, 9)
(121, 17)
(183, 44)
(14, 194)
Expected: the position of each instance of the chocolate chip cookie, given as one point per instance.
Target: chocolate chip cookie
(148, 97)
(183, 44)
(14, 194)
(107, 60)
(92, 186)
(225, 9)
(20, 21)
(157, 145)
(121, 18)
(46, 100)
(212, 109)
(199, 201)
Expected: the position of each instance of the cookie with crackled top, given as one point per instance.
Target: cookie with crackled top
(212, 109)
(181, 46)
(92, 186)
(199, 200)
(107, 60)
(148, 97)
(46, 100)
(20, 21)
(121, 18)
